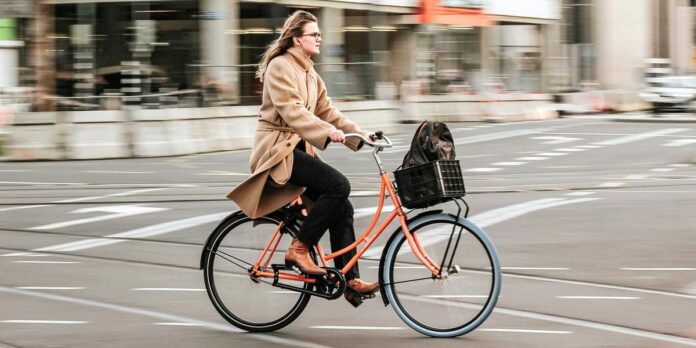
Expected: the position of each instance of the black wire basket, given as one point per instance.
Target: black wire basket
(430, 183)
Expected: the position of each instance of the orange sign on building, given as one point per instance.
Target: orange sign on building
(435, 12)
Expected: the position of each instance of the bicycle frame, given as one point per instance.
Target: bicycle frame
(368, 237)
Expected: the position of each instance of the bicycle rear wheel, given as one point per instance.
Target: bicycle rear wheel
(248, 303)
(457, 303)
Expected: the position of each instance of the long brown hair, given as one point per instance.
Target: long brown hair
(293, 27)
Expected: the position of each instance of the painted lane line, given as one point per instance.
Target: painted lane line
(679, 165)
(144, 232)
(41, 183)
(657, 269)
(168, 289)
(570, 149)
(588, 146)
(455, 296)
(557, 332)
(364, 193)
(46, 262)
(117, 211)
(531, 158)
(598, 297)
(611, 184)
(636, 177)
(489, 218)
(49, 288)
(641, 136)
(482, 170)
(580, 193)
(551, 154)
(23, 255)
(369, 211)
(177, 324)
(26, 207)
(330, 327)
(555, 139)
(535, 268)
(564, 320)
(497, 136)
(61, 322)
(662, 170)
(119, 194)
(508, 163)
(601, 286)
(114, 172)
(16, 170)
(679, 142)
(161, 316)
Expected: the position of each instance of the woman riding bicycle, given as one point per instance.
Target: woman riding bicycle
(296, 117)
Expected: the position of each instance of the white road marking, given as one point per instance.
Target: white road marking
(531, 158)
(482, 170)
(168, 289)
(40, 183)
(114, 172)
(636, 177)
(45, 262)
(662, 170)
(658, 269)
(162, 316)
(611, 184)
(563, 320)
(570, 149)
(144, 232)
(641, 136)
(508, 163)
(369, 211)
(488, 218)
(588, 146)
(119, 194)
(680, 142)
(61, 322)
(49, 287)
(526, 331)
(23, 254)
(497, 136)
(330, 327)
(178, 324)
(580, 193)
(551, 154)
(455, 296)
(26, 207)
(117, 211)
(223, 173)
(555, 140)
(536, 268)
(364, 193)
(15, 170)
(598, 297)
(679, 165)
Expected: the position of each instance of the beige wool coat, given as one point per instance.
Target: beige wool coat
(295, 107)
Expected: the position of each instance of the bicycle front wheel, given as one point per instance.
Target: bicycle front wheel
(249, 303)
(459, 301)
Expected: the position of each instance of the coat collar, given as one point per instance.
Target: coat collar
(300, 58)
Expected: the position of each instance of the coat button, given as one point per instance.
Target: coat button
(288, 143)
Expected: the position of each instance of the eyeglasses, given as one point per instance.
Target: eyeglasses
(316, 35)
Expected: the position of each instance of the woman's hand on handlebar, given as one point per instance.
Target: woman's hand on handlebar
(337, 136)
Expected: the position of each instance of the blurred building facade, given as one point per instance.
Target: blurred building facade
(611, 43)
(101, 54)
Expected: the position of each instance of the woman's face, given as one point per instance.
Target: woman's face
(310, 41)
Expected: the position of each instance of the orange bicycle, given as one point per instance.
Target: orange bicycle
(439, 271)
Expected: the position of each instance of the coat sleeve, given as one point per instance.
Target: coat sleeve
(327, 112)
(286, 98)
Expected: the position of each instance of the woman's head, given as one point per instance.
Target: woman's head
(300, 30)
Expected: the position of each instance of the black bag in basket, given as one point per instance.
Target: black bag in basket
(432, 141)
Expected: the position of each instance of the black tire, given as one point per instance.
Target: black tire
(251, 305)
(451, 306)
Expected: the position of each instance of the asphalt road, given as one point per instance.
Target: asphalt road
(594, 220)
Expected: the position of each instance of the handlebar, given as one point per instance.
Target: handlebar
(385, 145)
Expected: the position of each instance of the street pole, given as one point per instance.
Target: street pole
(42, 56)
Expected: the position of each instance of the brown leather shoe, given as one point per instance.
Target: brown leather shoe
(358, 290)
(298, 255)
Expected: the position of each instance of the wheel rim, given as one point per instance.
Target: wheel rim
(255, 306)
(452, 306)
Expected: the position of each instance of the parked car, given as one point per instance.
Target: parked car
(672, 93)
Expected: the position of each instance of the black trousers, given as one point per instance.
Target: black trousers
(329, 189)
